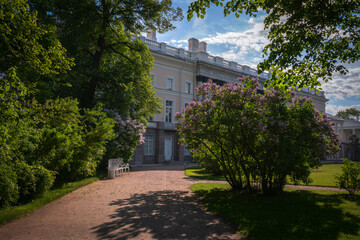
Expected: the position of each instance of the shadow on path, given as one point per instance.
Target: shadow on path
(162, 215)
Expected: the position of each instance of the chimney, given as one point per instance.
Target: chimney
(151, 35)
(202, 47)
(193, 45)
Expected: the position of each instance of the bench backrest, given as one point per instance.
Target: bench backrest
(114, 163)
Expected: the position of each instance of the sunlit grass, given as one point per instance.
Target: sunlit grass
(200, 172)
(294, 214)
(323, 176)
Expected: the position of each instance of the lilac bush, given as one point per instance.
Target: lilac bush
(129, 134)
(257, 140)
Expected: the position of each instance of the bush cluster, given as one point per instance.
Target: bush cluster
(47, 143)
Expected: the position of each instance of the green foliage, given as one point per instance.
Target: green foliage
(70, 143)
(32, 181)
(98, 129)
(41, 139)
(350, 113)
(53, 139)
(112, 66)
(257, 138)
(350, 177)
(59, 134)
(309, 40)
(29, 50)
(9, 190)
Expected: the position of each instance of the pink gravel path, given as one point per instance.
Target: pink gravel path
(148, 203)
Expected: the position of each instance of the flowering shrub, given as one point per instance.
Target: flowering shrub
(129, 134)
(257, 139)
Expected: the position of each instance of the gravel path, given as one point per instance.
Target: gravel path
(149, 203)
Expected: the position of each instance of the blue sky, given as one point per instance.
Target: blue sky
(242, 40)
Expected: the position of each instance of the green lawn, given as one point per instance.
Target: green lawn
(294, 214)
(11, 213)
(323, 176)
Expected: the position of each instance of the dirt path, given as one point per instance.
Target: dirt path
(148, 203)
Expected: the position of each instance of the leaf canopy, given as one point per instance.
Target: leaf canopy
(310, 40)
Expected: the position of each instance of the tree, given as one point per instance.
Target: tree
(27, 50)
(256, 138)
(350, 113)
(309, 40)
(112, 66)
(38, 141)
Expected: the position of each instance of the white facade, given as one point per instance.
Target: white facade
(177, 73)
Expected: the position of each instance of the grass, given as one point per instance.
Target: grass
(323, 176)
(294, 214)
(11, 213)
(200, 172)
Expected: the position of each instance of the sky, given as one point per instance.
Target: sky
(243, 39)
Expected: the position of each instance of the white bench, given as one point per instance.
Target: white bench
(116, 166)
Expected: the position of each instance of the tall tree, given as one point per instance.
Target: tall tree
(112, 65)
(350, 113)
(27, 48)
(310, 40)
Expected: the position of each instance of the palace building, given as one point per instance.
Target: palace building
(177, 72)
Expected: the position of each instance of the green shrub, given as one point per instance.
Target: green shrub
(26, 181)
(44, 179)
(32, 181)
(40, 142)
(9, 191)
(97, 130)
(350, 177)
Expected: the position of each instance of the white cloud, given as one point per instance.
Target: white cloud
(178, 43)
(333, 109)
(251, 20)
(344, 86)
(254, 39)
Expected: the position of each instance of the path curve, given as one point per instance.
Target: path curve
(149, 203)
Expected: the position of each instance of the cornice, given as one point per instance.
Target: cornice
(172, 58)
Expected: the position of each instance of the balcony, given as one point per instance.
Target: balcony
(168, 125)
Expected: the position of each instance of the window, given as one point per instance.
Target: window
(188, 87)
(168, 111)
(186, 151)
(149, 145)
(169, 83)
